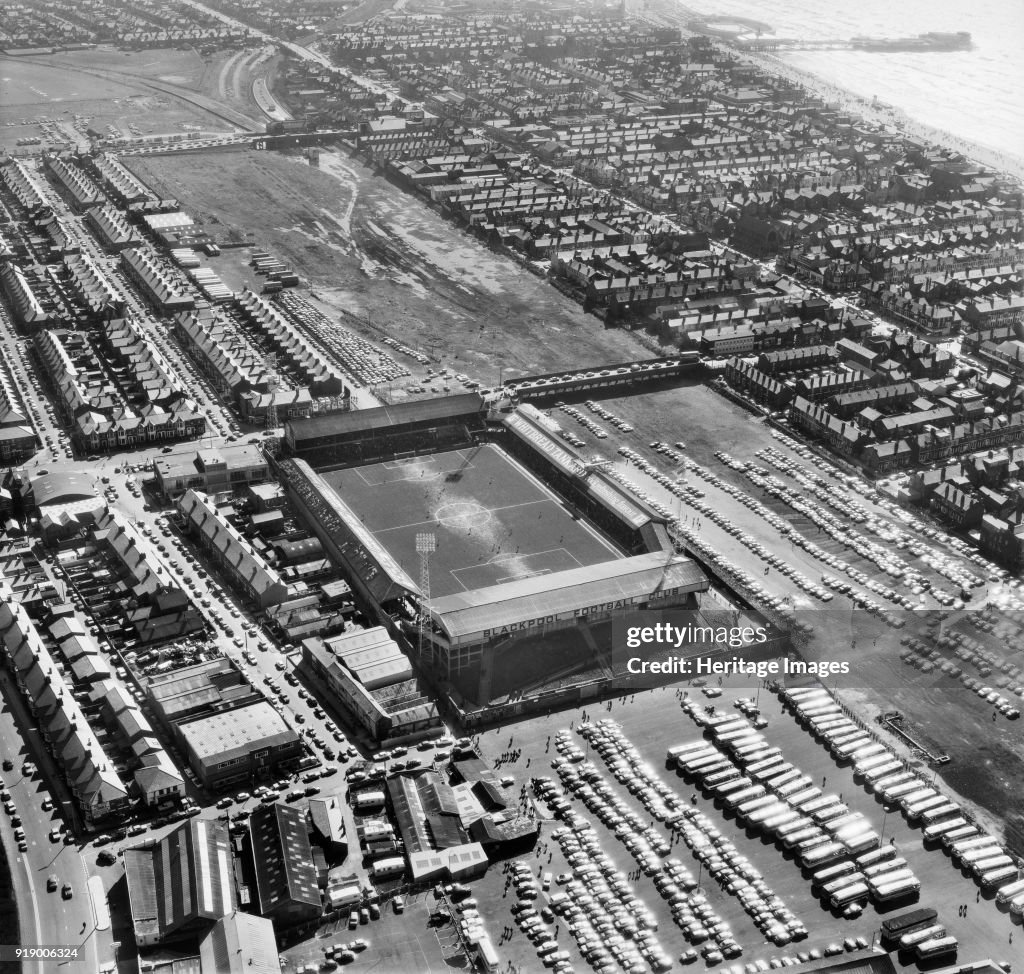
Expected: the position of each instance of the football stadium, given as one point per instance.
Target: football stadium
(535, 549)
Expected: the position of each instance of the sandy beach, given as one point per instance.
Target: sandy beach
(674, 14)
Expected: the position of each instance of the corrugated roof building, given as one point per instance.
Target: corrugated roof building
(286, 878)
(181, 885)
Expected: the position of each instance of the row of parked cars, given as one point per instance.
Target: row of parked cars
(927, 659)
(585, 421)
(734, 873)
(364, 361)
(612, 927)
(913, 530)
(608, 416)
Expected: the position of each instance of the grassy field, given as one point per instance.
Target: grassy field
(493, 522)
(388, 265)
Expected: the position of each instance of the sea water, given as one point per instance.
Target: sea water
(977, 95)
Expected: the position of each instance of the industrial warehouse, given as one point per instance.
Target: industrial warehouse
(532, 549)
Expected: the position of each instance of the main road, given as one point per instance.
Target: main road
(45, 917)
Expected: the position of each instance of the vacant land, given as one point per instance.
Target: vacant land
(390, 265)
(493, 522)
(125, 94)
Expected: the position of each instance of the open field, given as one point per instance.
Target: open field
(652, 721)
(493, 521)
(389, 264)
(126, 94)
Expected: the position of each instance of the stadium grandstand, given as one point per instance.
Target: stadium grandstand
(538, 548)
(366, 435)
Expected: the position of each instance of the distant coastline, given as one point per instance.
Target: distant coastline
(883, 114)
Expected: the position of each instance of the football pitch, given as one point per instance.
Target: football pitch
(493, 521)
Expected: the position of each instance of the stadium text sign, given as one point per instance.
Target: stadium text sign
(602, 608)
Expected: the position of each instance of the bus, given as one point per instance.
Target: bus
(732, 786)
(805, 797)
(805, 834)
(910, 940)
(992, 878)
(747, 754)
(862, 764)
(686, 763)
(767, 768)
(897, 889)
(936, 947)
(915, 811)
(848, 894)
(823, 711)
(873, 756)
(791, 828)
(905, 787)
(935, 830)
(1009, 891)
(734, 744)
(487, 955)
(777, 781)
(680, 750)
(724, 720)
(761, 815)
(1017, 906)
(738, 734)
(823, 815)
(825, 801)
(776, 822)
(751, 806)
(767, 763)
(793, 787)
(844, 750)
(913, 797)
(869, 751)
(721, 777)
(824, 726)
(705, 771)
(879, 771)
(940, 813)
(898, 791)
(694, 765)
(967, 831)
(846, 735)
(886, 866)
(826, 875)
(822, 714)
(897, 778)
(745, 794)
(840, 822)
(824, 855)
(980, 854)
(990, 864)
(826, 890)
(894, 927)
(876, 856)
(862, 842)
(964, 846)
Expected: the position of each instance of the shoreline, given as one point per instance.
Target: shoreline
(880, 113)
